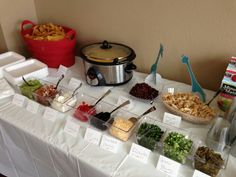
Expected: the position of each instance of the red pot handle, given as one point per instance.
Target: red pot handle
(71, 34)
(26, 22)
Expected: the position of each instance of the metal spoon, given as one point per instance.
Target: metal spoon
(58, 82)
(108, 114)
(216, 94)
(26, 81)
(74, 92)
(120, 106)
(104, 95)
(135, 119)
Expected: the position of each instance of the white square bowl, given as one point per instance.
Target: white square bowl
(31, 68)
(8, 59)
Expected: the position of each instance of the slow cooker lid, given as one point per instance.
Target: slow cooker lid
(107, 52)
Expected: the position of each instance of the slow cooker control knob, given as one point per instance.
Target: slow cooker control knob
(94, 77)
(91, 75)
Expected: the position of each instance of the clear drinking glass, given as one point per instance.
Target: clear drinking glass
(218, 134)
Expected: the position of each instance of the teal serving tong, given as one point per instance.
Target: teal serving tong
(195, 85)
(154, 66)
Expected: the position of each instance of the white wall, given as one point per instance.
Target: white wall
(204, 30)
(12, 13)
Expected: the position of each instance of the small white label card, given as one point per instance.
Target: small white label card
(199, 174)
(172, 119)
(32, 106)
(18, 100)
(123, 99)
(168, 166)
(110, 144)
(171, 90)
(92, 136)
(74, 83)
(72, 128)
(50, 114)
(62, 70)
(139, 152)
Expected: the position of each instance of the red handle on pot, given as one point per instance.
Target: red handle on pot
(26, 22)
(71, 34)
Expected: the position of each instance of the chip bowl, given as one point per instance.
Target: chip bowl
(187, 116)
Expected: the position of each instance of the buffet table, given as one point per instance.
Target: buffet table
(30, 146)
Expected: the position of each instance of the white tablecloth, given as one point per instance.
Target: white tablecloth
(30, 146)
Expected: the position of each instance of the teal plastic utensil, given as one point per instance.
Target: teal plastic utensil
(195, 85)
(154, 66)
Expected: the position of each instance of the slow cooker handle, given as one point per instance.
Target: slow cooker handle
(130, 67)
